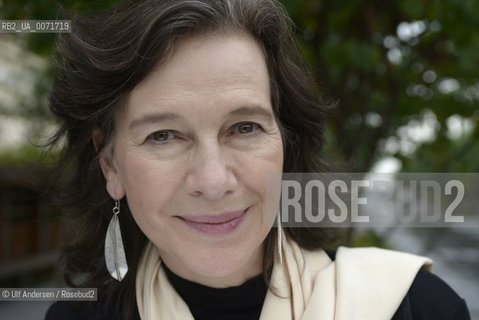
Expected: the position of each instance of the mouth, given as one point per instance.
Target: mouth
(215, 224)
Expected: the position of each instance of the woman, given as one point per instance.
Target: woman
(176, 115)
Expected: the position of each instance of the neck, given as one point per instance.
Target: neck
(221, 277)
(243, 302)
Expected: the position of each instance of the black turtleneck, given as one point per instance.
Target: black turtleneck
(234, 303)
(429, 298)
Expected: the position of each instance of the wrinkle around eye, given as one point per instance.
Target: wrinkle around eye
(255, 127)
(161, 137)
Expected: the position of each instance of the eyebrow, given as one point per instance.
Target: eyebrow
(245, 111)
(152, 118)
(252, 111)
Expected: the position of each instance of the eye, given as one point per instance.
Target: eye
(162, 136)
(245, 128)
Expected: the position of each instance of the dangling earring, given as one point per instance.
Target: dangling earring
(279, 238)
(114, 251)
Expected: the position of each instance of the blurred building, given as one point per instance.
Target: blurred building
(30, 230)
(29, 227)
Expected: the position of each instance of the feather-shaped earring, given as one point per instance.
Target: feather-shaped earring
(114, 251)
(279, 238)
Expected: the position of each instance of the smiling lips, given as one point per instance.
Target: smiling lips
(215, 225)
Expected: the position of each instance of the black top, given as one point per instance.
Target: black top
(429, 298)
(243, 302)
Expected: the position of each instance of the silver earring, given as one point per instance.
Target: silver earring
(114, 251)
(279, 238)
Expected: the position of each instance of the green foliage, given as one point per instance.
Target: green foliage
(42, 43)
(367, 55)
(370, 239)
(26, 155)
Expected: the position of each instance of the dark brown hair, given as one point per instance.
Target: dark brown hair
(110, 53)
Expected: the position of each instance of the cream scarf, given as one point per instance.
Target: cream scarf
(362, 284)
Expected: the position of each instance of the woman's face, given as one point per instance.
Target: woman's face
(195, 146)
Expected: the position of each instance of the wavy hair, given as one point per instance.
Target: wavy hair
(103, 59)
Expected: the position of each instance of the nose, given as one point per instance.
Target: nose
(210, 176)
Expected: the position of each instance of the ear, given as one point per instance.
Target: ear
(114, 185)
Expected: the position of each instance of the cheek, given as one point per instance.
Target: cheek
(262, 174)
(145, 182)
(264, 154)
(264, 159)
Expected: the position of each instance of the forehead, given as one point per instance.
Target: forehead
(214, 65)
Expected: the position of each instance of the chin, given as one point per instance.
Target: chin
(228, 269)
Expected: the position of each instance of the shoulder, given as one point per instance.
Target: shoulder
(64, 310)
(86, 311)
(429, 297)
(79, 311)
